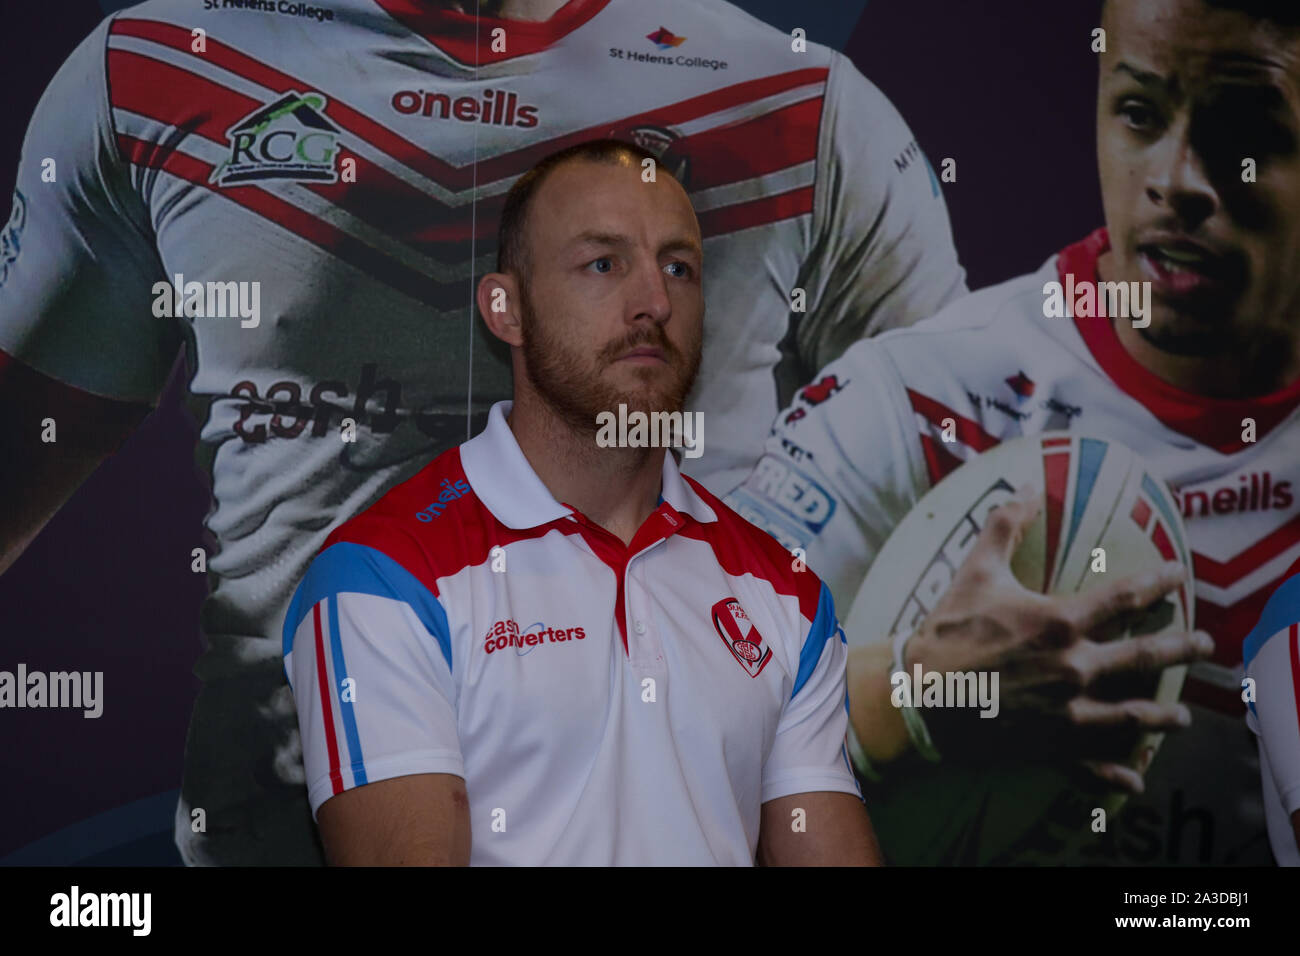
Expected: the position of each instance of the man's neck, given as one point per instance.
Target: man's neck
(617, 488)
(1256, 369)
(507, 9)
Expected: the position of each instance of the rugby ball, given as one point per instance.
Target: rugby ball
(1103, 508)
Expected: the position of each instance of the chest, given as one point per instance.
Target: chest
(554, 652)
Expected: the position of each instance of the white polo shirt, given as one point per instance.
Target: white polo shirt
(605, 704)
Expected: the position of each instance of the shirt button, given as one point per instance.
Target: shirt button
(639, 627)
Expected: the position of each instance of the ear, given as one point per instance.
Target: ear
(498, 303)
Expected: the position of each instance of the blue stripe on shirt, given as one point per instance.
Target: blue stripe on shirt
(823, 626)
(345, 706)
(1282, 610)
(347, 568)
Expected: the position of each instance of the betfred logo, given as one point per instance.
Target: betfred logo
(508, 633)
(492, 108)
(741, 637)
(289, 139)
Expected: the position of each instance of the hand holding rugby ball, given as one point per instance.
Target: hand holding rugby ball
(1051, 638)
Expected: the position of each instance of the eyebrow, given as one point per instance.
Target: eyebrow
(1144, 77)
(1235, 66)
(679, 244)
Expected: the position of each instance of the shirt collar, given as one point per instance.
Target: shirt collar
(505, 482)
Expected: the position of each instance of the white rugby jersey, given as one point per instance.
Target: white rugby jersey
(352, 160)
(863, 443)
(605, 704)
(1272, 659)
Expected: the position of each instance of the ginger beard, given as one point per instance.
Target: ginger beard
(577, 386)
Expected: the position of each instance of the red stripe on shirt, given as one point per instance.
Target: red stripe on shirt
(228, 58)
(486, 171)
(468, 37)
(939, 461)
(969, 432)
(758, 212)
(1295, 670)
(1223, 574)
(756, 147)
(1211, 421)
(443, 296)
(327, 708)
(742, 549)
(1056, 480)
(188, 101)
(673, 114)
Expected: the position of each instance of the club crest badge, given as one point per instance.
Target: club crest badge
(741, 637)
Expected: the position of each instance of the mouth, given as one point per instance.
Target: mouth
(645, 355)
(1178, 268)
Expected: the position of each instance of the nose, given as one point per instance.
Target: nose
(649, 294)
(1178, 180)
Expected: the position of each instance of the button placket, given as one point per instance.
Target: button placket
(647, 653)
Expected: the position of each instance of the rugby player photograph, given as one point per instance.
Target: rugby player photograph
(508, 660)
(301, 199)
(1193, 389)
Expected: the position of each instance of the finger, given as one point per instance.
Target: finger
(1090, 714)
(1149, 654)
(1129, 595)
(1117, 775)
(1006, 526)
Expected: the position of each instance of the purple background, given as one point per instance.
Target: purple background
(1005, 88)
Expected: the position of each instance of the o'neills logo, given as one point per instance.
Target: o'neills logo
(492, 107)
(450, 492)
(505, 634)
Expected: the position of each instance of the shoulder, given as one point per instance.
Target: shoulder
(432, 525)
(1015, 302)
(1280, 612)
(742, 550)
(738, 26)
(977, 335)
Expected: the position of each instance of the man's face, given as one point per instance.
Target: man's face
(1187, 94)
(614, 310)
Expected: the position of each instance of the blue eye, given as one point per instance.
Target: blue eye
(684, 267)
(603, 259)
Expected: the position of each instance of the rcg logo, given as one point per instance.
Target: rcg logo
(288, 139)
(9, 238)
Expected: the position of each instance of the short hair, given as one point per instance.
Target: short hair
(1281, 13)
(512, 251)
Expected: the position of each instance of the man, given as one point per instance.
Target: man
(680, 697)
(298, 197)
(1272, 658)
(1204, 385)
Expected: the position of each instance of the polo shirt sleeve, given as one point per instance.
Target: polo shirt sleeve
(1273, 662)
(367, 651)
(810, 752)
